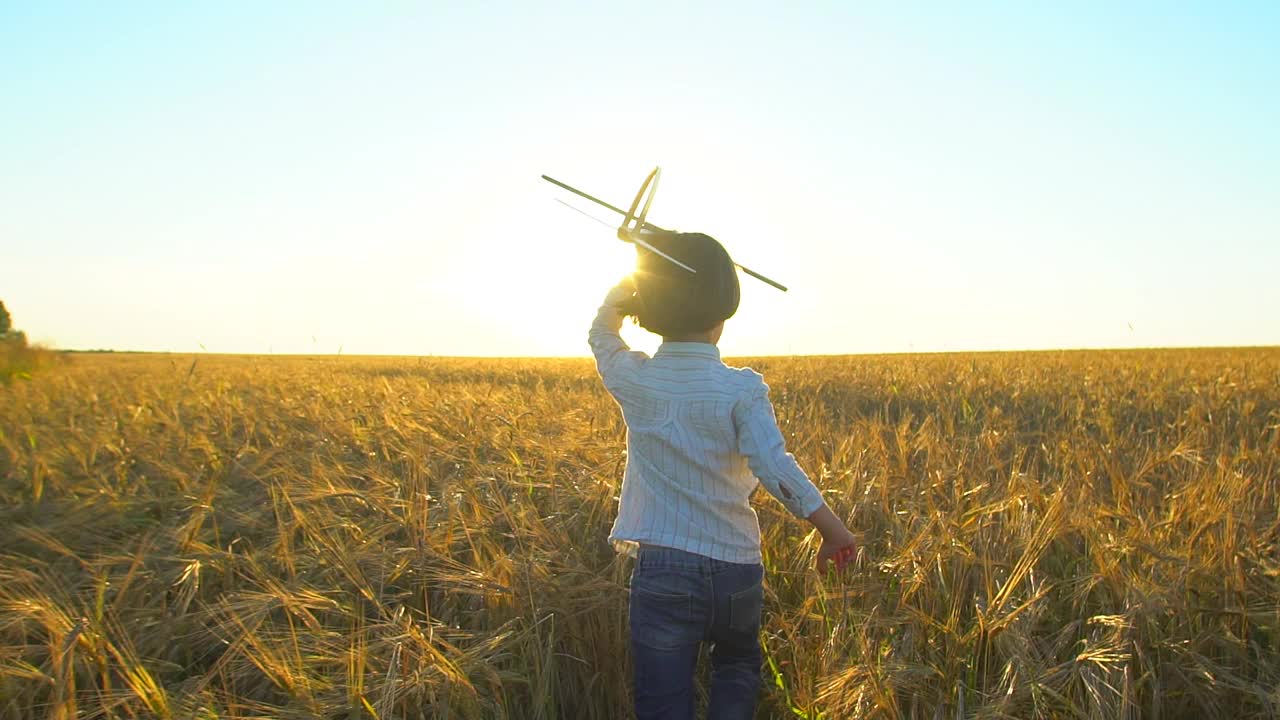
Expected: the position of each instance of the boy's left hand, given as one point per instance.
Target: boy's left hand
(838, 550)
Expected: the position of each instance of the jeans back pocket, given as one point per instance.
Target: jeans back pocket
(744, 609)
(662, 620)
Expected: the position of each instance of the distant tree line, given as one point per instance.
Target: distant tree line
(17, 359)
(7, 333)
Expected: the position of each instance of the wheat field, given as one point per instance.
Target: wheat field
(1061, 534)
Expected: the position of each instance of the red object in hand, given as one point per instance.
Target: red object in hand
(843, 557)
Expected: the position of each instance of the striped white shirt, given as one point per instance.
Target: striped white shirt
(700, 437)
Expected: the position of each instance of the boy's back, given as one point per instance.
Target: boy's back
(699, 435)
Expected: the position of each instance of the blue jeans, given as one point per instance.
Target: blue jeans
(678, 601)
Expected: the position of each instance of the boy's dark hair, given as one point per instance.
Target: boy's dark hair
(673, 301)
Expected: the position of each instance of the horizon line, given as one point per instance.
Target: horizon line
(587, 356)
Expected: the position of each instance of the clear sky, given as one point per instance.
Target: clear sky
(304, 177)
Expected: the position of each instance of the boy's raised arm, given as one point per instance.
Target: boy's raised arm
(608, 347)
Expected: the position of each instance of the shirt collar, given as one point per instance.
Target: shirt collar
(688, 349)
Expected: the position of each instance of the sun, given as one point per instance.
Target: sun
(541, 288)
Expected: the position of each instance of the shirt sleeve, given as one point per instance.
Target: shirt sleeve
(760, 442)
(613, 357)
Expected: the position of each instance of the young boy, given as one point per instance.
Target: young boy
(700, 437)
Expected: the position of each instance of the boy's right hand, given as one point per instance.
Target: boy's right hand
(622, 295)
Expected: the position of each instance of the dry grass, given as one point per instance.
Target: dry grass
(18, 360)
(1087, 535)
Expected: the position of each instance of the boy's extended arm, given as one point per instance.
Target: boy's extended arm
(761, 442)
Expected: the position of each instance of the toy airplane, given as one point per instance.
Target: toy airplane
(635, 226)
